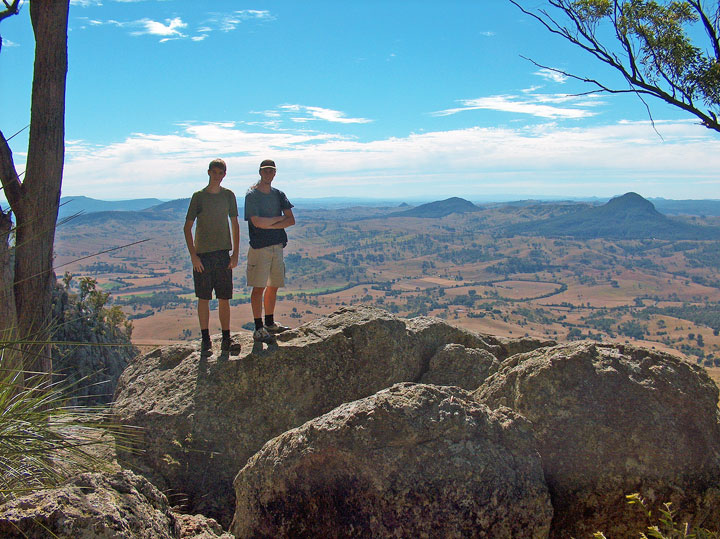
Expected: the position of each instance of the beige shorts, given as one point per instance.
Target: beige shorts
(266, 267)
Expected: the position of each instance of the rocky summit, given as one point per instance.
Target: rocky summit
(203, 418)
(364, 424)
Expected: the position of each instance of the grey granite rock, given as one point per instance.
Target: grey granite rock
(612, 420)
(204, 417)
(413, 460)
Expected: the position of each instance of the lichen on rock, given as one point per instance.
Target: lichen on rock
(413, 460)
(612, 420)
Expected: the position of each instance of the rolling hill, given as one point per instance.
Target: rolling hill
(629, 216)
(76, 204)
(440, 208)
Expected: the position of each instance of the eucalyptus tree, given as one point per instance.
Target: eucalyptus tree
(34, 195)
(667, 49)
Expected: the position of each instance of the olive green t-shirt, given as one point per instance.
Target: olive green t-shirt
(212, 210)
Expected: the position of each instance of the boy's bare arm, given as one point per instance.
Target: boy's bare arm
(235, 241)
(265, 222)
(288, 219)
(187, 230)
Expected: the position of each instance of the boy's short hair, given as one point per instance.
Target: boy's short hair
(218, 163)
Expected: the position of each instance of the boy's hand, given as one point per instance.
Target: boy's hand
(233, 260)
(197, 264)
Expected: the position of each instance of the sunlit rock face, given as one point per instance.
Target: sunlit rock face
(122, 505)
(413, 460)
(612, 420)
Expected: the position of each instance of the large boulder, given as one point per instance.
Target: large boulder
(413, 460)
(433, 331)
(120, 505)
(454, 364)
(612, 420)
(203, 418)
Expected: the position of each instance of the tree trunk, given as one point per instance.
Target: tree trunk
(36, 201)
(8, 317)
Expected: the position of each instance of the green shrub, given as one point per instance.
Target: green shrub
(667, 527)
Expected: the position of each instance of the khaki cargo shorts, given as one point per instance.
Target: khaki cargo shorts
(266, 267)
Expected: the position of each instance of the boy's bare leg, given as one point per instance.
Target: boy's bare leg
(256, 301)
(224, 313)
(204, 313)
(269, 299)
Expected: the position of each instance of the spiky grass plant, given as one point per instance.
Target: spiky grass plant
(667, 527)
(43, 441)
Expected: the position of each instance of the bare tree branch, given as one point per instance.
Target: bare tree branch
(10, 9)
(8, 174)
(708, 25)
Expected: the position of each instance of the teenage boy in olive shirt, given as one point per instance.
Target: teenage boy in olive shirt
(211, 260)
(268, 213)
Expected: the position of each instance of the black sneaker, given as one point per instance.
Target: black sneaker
(225, 345)
(205, 345)
(276, 328)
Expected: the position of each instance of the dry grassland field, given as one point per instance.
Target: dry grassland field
(465, 268)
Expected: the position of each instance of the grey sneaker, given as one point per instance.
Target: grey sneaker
(262, 335)
(276, 328)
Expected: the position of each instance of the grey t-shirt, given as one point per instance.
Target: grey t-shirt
(262, 204)
(212, 210)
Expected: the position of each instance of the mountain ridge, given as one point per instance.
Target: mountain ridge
(71, 205)
(439, 208)
(628, 217)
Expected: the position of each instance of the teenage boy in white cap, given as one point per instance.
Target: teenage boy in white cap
(268, 213)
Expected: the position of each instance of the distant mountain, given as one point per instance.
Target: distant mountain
(174, 210)
(629, 216)
(179, 206)
(160, 211)
(72, 205)
(440, 208)
(687, 207)
(120, 217)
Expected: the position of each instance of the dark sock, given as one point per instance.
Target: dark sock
(258, 323)
(225, 334)
(269, 319)
(205, 334)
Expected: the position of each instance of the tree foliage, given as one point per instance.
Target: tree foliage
(91, 340)
(668, 49)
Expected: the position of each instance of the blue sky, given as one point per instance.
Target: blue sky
(387, 99)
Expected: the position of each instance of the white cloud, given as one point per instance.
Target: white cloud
(171, 28)
(230, 21)
(303, 114)
(85, 3)
(532, 104)
(176, 28)
(546, 159)
(551, 75)
(8, 43)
